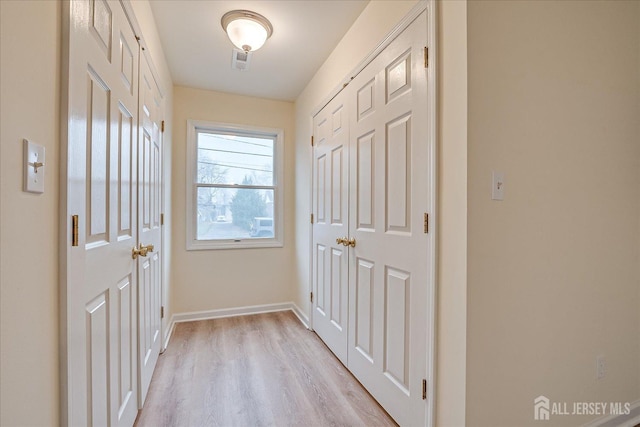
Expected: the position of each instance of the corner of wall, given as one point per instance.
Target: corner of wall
(452, 214)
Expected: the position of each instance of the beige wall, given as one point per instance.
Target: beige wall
(29, 84)
(216, 279)
(553, 269)
(29, 79)
(452, 213)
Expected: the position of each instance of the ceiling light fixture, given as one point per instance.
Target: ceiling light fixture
(247, 30)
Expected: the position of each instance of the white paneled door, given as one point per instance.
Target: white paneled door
(331, 216)
(149, 226)
(100, 298)
(388, 191)
(389, 277)
(111, 260)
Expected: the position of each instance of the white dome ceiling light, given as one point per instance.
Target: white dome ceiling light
(247, 30)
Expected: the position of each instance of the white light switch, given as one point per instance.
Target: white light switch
(497, 185)
(34, 163)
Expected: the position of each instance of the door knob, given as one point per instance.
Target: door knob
(345, 241)
(142, 251)
(135, 252)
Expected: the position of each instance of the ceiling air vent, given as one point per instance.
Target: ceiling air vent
(240, 60)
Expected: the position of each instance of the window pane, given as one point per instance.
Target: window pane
(233, 159)
(230, 213)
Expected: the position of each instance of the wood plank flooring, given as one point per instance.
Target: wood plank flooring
(259, 370)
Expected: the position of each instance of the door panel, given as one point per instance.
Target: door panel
(97, 148)
(100, 297)
(398, 76)
(125, 178)
(319, 279)
(149, 227)
(320, 167)
(101, 25)
(98, 332)
(337, 206)
(127, 361)
(388, 275)
(398, 174)
(365, 171)
(397, 317)
(364, 310)
(331, 204)
(338, 263)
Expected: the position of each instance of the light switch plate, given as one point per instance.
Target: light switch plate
(497, 185)
(34, 167)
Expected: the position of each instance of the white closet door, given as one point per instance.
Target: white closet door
(331, 210)
(99, 301)
(149, 227)
(388, 266)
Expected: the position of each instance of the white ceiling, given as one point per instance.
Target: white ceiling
(304, 34)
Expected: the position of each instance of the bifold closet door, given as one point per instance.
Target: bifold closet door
(378, 128)
(331, 216)
(389, 177)
(99, 301)
(149, 226)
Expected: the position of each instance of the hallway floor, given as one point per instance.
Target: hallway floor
(257, 370)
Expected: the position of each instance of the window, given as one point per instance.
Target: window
(234, 186)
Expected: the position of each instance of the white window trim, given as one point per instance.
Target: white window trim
(191, 188)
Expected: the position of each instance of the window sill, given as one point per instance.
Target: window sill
(205, 245)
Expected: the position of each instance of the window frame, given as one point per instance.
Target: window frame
(277, 241)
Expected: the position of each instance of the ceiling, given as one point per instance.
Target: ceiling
(199, 53)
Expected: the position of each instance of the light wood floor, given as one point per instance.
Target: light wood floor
(259, 370)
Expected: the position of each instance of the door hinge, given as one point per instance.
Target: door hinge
(311, 218)
(162, 312)
(424, 389)
(312, 140)
(311, 296)
(74, 230)
(426, 223)
(161, 219)
(162, 126)
(426, 57)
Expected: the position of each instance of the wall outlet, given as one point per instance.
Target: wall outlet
(601, 367)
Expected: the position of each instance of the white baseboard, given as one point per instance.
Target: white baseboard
(630, 420)
(231, 312)
(167, 337)
(304, 319)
